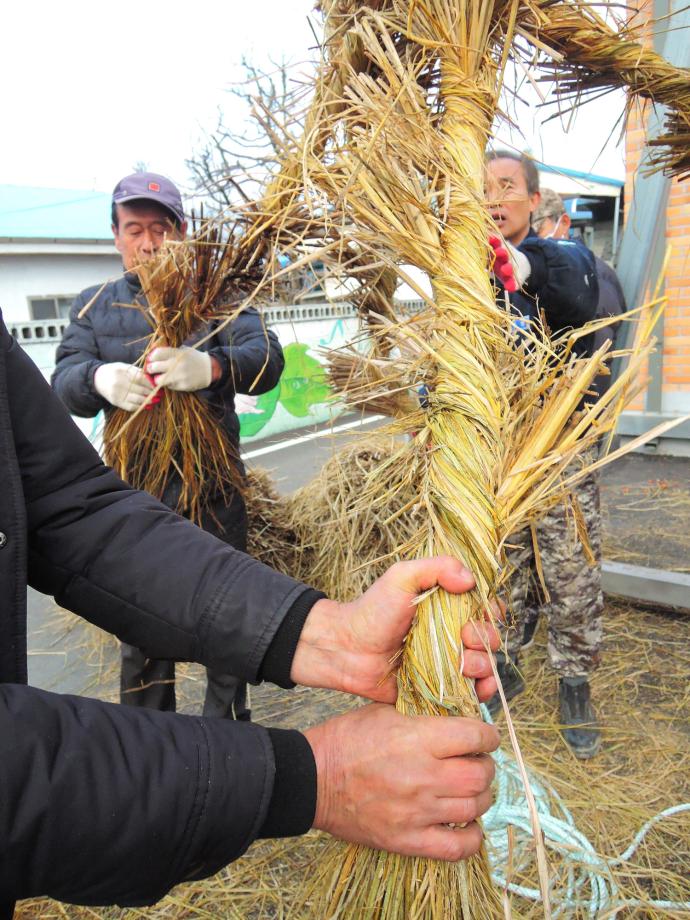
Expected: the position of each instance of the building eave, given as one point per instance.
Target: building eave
(55, 247)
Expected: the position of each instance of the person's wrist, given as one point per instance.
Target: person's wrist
(101, 378)
(321, 746)
(216, 369)
(318, 658)
(97, 378)
(524, 267)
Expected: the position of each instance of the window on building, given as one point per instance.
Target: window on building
(50, 307)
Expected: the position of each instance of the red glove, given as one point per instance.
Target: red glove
(502, 265)
(157, 398)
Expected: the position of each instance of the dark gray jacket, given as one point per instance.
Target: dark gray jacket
(250, 356)
(113, 804)
(562, 283)
(611, 303)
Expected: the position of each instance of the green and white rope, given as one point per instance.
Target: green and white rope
(585, 880)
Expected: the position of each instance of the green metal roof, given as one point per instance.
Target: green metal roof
(53, 214)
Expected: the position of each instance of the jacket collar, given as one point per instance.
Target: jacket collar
(132, 281)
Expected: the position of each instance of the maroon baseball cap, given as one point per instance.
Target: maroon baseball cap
(151, 187)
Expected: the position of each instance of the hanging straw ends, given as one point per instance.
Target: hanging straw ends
(353, 882)
(588, 56)
(180, 440)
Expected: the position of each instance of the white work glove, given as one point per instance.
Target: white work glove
(123, 385)
(246, 405)
(511, 266)
(186, 369)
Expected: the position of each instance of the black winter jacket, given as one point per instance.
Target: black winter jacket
(562, 283)
(611, 303)
(250, 356)
(102, 803)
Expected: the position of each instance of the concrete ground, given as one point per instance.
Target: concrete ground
(646, 511)
(645, 508)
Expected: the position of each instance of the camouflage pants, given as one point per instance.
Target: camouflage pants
(575, 603)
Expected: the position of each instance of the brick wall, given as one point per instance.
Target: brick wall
(676, 346)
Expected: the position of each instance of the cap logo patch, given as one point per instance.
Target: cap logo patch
(154, 187)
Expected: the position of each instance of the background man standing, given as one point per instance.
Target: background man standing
(551, 221)
(555, 278)
(96, 370)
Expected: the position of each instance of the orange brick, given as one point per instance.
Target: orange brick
(679, 196)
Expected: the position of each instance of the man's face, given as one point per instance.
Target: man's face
(142, 228)
(507, 198)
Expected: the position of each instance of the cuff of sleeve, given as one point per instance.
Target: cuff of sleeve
(224, 362)
(90, 374)
(293, 801)
(538, 275)
(277, 662)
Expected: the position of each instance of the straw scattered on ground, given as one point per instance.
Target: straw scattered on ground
(646, 513)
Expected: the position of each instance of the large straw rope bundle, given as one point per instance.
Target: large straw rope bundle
(399, 162)
(389, 171)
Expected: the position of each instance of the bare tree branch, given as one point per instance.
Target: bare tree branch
(237, 156)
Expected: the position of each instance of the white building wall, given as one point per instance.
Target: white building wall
(23, 276)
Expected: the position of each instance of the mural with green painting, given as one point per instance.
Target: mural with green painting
(302, 386)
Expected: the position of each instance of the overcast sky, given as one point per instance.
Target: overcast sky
(90, 88)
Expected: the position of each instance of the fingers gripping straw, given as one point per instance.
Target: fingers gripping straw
(154, 399)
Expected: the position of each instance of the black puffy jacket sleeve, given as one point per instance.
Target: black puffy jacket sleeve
(122, 560)
(250, 355)
(107, 804)
(563, 281)
(77, 361)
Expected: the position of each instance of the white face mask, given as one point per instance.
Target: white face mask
(555, 229)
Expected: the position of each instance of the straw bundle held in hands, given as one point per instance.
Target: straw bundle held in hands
(186, 287)
(392, 131)
(398, 175)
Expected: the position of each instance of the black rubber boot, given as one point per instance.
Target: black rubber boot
(528, 634)
(580, 728)
(511, 681)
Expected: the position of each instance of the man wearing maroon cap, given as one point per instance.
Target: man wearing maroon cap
(97, 368)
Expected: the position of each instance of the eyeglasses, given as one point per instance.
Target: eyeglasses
(542, 217)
